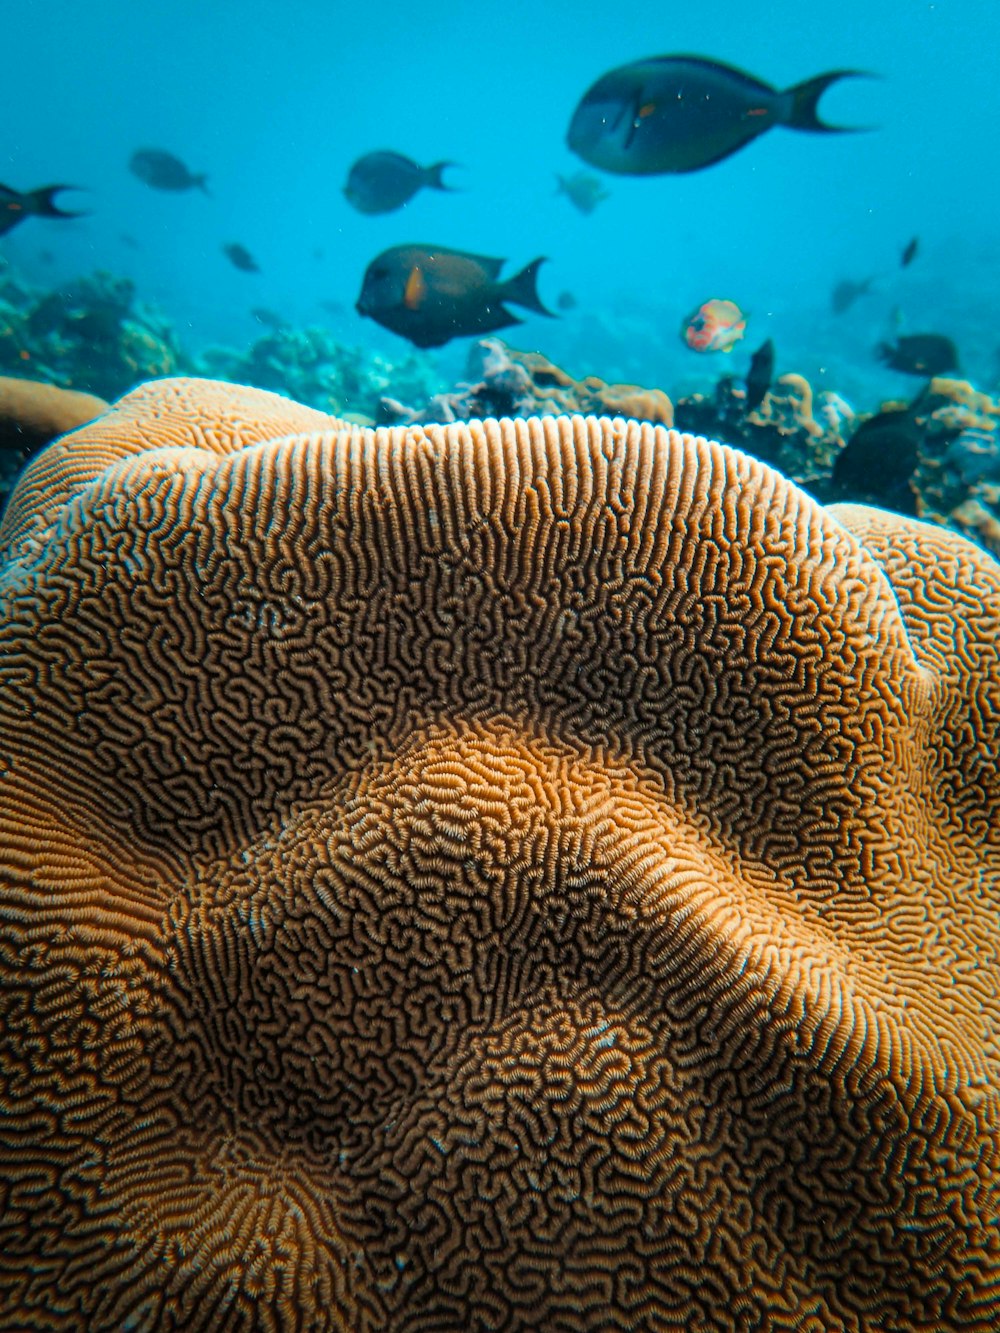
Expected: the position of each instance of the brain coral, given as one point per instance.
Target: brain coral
(538, 875)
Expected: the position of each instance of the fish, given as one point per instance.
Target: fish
(565, 301)
(682, 113)
(384, 181)
(909, 252)
(760, 374)
(881, 456)
(333, 307)
(715, 326)
(584, 191)
(15, 206)
(270, 318)
(847, 292)
(430, 294)
(920, 354)
(163, 171)
(240, 257)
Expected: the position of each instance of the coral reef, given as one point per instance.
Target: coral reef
(91, 334)
(310, 366)
(31, 415)
(526, 875)
(795, 430)
(502, 382)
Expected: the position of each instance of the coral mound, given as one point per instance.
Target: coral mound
(503, 382)
(530, 875)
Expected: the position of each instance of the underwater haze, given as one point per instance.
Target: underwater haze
(274, 103)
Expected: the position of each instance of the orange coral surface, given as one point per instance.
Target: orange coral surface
(538, 875)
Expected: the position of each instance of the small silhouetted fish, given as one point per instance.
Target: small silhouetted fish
(333, 307)
(909, 252)
(15, 206)
(682, 113)
(240, 257)
(881, 456)
(384, 181)
(163, 171)
(128, 240)
(760, 374)
(920, 354)
(847, 292)
(584, 191)
(430, 294)
(565, 301)
(269, 317)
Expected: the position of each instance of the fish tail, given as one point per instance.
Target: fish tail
(521, 288)
(434, 175)
(41, 202)
(202, 183)
(803, 111)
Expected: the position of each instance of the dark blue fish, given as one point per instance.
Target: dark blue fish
(909, 252)
(15, 206)
(164, 171)
(431, 294)
(240, 257)
(384, 181)
(682, 113)
(847, 292)
(920, 354)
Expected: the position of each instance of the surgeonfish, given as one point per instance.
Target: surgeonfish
(383, 181)
(431, 294)
(15, 206)
(681, 113)
(164, 171)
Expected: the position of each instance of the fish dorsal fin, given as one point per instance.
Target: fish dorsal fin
(716, 67)
(490, 266)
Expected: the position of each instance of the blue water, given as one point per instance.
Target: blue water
(275, 103)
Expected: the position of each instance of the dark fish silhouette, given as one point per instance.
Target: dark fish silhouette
(430, 294)
(240, 257)
(847, 292)
(15, 206)
(760, 374)
(920, 354)
(164, 171)
(909, 252)
(384, 181)
(881, 456)
(270, 318)
(682, 113)
(565, 301)
(584, 191)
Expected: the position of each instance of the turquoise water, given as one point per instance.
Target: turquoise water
(276, 102)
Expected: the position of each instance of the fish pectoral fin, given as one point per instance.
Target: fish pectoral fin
(640, 109)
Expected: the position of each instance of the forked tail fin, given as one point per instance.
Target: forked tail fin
(804, 111)
(41, 202)
(521, 288)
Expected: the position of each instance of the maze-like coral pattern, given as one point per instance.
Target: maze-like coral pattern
(538, 875)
